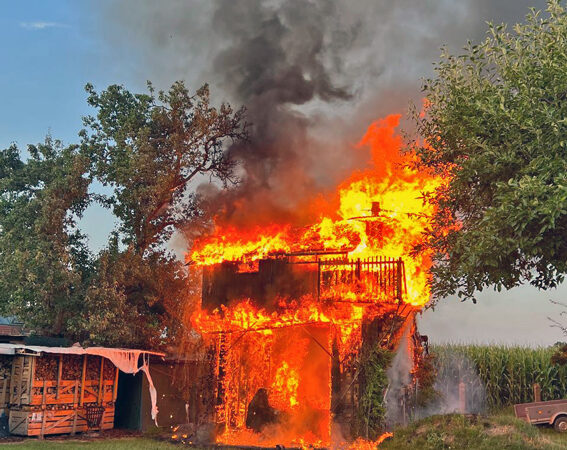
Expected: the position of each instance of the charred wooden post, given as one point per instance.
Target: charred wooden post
(399, 276)
(318, 281)
(376, 209)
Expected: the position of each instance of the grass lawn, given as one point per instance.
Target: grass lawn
(495, 432)
(99, 444)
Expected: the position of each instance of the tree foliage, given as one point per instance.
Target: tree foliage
(43, 257)
(149, 148)
(495, 124)
(146, 149)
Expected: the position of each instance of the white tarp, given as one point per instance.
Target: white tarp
(125, 359)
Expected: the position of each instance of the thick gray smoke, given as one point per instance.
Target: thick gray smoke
(459, 387)
(313, 75)
(276, 61)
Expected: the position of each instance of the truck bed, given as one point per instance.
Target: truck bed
(539, 412)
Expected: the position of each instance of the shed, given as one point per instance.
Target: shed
(56, 390)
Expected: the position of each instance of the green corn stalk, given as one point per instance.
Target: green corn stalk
(507, 372)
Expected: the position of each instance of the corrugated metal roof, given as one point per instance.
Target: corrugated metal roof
(14, 349)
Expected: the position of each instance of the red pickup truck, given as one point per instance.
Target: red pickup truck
(553, 412)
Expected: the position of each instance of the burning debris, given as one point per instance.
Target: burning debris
(288, 313)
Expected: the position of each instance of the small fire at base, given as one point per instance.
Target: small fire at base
(363, 444)
(290, 316)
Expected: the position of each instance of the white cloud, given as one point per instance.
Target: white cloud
(41, 25)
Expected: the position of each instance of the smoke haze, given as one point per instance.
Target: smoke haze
(313, 76)
(454, 369)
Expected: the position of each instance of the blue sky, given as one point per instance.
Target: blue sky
(50, 50)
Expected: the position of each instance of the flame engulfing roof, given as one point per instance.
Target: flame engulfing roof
(376, 212)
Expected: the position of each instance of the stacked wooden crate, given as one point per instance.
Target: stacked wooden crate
(61, 393)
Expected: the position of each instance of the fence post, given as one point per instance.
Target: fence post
(399, 280)
(83, 375)
(318, 281)
(537, 392)
(43, 409)
(462, 397)
(59, 376)
(75, 407)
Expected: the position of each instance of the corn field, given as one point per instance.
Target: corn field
(508, 373)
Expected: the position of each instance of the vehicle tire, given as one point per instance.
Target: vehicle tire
(560, 424)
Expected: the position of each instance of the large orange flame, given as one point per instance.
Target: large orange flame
(392, 231)
(380, 216)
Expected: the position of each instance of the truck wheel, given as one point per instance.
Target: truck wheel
(560, 424)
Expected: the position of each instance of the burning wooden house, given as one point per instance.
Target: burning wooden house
(288, 313)
(295, 346)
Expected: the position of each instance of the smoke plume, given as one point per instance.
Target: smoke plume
(312, 74)
(399, 378)
(455, 373)
(277, 62)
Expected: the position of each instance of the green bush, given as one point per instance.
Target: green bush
(373, 383)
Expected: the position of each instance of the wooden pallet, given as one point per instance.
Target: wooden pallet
(27, 421)
(21, 380)
(43, 407)
(64, 391)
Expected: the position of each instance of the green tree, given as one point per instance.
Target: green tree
(496, 125)
(134, 300)
(148, 148)
(44, 261)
